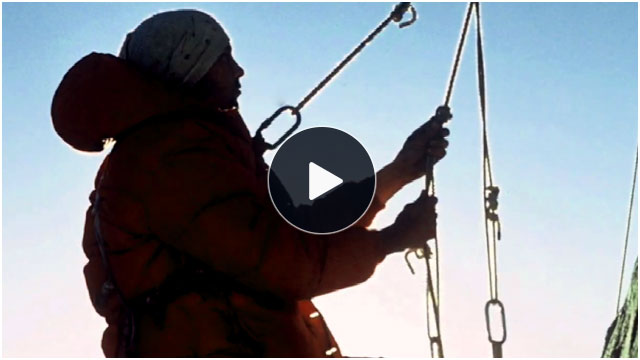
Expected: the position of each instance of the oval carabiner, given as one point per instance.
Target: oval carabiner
(265, 124)
(487, 317)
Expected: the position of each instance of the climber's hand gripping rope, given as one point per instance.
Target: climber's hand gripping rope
(427, 144)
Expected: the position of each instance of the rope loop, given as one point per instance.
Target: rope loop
(269, 120)
(435, 344)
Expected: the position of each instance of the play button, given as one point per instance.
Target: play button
(321, 180)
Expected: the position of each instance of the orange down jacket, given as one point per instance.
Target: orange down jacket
(195, 261)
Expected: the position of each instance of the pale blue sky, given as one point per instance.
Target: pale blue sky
(562, 86)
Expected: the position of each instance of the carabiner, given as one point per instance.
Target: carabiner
(503, 321)
(265, 124)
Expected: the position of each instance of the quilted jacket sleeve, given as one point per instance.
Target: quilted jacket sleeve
(208, 202)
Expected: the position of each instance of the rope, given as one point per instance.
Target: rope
(626, 237)
(433, 294)
(395, 15)
(456, 62)
(490, 199)
(432, 255)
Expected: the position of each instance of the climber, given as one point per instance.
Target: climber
(187, 256)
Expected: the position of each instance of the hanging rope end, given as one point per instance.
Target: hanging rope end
(406, 259)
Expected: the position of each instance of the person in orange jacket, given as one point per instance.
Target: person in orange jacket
(187, 255)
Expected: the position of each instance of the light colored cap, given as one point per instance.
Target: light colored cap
(177, 46)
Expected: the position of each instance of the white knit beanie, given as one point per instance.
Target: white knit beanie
(177, 46)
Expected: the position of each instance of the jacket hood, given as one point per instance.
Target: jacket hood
(102, 96)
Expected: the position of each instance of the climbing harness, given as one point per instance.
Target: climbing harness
(626, 237)
(396, 15)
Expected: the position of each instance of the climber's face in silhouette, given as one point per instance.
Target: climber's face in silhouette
(220, 86)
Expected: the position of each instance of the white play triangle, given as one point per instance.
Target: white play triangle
(321, 181)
